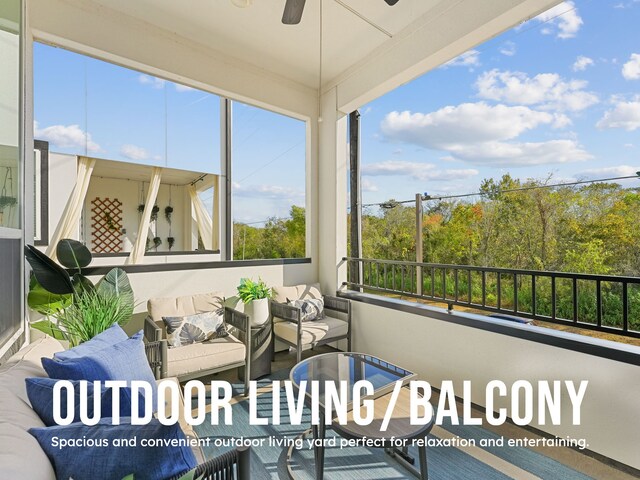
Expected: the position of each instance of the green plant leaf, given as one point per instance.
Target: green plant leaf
(248, 290)
(50, 328)
(82, 284)
(42, 301)
(73, 254)
(116, 283)
(49, 274)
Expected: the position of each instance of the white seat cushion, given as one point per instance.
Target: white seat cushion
(200, 357)
(311, 332)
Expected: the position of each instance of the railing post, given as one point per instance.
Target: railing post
(419, 257)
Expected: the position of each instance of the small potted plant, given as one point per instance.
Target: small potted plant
(255, 296)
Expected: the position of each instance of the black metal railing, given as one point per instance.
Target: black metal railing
(597, 302)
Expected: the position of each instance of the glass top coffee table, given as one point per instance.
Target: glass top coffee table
(351, 367)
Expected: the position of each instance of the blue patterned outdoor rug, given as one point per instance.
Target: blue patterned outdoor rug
(444, 463)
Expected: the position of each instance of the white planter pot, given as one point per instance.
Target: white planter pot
(258, 311)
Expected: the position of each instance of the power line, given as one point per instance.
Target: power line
(278, 157)
(509, 190)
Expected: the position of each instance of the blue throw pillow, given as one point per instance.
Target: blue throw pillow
(124, 360)
(111, 335)
(40, 393)
(95, 455)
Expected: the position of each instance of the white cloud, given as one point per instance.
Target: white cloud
(563, 20)
(133, 152)
(469, 59)
(273, 192)
(368, 186)
(617, 171)
(546, 90)
(478, 133)
(624, 115)
(417, 170)
(508, 49)
(582, 63)
(465, 123)
(627, 4)
(522, 154)
(66, 136)
(631, 69)
(154, 82)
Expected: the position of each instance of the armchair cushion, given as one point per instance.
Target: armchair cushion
(198, 357)
(311, 332)
(296, 292)
(311, 309)
(196, 328)
(181, 306)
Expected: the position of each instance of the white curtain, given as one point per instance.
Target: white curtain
(203, 219)
(69, 222)
(140, 247)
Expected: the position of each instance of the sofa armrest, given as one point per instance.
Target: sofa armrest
(152, 333)
(157, 356)
(237, 319)
(337, 304)
(284, 311)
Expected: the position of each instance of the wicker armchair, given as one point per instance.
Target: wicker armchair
(290, 330)
(193, 361)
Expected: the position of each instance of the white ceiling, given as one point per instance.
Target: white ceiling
(257, 36)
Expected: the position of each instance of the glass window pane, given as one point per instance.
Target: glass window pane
(10, 114)
(268, 184)
(128, 122)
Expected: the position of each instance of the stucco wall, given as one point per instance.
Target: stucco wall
(438, 350)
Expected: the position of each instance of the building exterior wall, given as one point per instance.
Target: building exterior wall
(439, 350)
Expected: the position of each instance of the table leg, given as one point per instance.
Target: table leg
(422, 454)
(318, 449)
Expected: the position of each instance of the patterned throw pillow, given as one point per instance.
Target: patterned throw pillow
(197, 328)
(311, 308)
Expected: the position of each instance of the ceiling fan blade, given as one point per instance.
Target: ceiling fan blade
(293, 12)
(391, 2)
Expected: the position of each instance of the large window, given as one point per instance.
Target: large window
(485, 137)
(268, 184)
(11, 316)
(128, 122)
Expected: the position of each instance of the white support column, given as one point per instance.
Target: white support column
(332, 194)
(215, 214)
(140, 247)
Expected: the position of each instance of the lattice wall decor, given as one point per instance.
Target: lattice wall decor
(106, 224)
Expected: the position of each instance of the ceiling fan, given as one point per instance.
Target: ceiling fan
(293, 11)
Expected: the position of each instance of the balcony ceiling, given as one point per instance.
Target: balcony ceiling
(256, 35)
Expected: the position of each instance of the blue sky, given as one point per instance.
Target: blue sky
(558, 95)
(90, 107)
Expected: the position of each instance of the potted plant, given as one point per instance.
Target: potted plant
(74, 308)
(255, 296)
